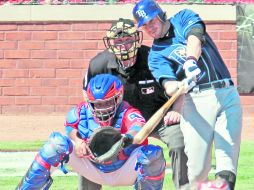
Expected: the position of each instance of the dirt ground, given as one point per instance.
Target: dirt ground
(39, 127)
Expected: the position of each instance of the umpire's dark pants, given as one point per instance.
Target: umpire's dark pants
(173, 138)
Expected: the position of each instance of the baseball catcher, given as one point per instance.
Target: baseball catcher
(99, 143)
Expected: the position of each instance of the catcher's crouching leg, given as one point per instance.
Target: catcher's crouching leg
(55, 151)
(151, 168)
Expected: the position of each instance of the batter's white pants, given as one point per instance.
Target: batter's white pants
(213, 115)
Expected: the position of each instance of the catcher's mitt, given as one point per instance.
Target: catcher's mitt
(105, 143)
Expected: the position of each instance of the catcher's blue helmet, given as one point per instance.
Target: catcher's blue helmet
(146, 10)
(104, 93)
(103, 86)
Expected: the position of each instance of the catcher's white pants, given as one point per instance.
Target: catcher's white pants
(124, 176)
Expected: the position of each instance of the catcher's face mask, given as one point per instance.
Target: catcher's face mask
(123, 39)
(104, 94)
(104, 110)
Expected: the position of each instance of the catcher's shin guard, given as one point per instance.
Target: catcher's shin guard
(229, 176)
(55, 151)
(151, 168)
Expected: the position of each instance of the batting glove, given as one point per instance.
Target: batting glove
(191, 68)
(188, 84)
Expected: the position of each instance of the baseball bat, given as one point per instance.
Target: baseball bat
(156, 118)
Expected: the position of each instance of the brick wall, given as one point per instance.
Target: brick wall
(42, 63)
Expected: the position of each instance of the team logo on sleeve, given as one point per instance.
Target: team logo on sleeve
(132, 116)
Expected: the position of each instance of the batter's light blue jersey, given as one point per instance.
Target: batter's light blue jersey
(168, 54)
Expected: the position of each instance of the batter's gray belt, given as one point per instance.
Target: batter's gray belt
(216, 84)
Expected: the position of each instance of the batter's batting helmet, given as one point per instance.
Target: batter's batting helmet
(104, 93)
(146, 10)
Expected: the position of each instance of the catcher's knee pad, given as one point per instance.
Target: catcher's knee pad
(151, 168)
(229, 176)
(56, 150)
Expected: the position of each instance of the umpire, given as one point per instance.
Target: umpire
(126, 58)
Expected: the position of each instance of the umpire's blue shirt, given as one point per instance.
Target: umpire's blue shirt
(168, 54)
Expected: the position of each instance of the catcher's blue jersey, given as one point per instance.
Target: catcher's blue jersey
(168, 54)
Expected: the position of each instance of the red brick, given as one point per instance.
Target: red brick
(29, 82)
(222, 26)
(68, 91)
(55, 82)
(1, 54)
(29, 63)
(58, 45)
(233, 72)
(63, 108)
(7, 82)
(56, 63)
(45, 35)
(71, 35)
(8, 27)
(42, 91)
(8, 45)
(57, 27)
(69, 73)
(86, 45)
(54, 100)
(41, 108)
(95, 35)
(15, 73)
(13, 109)
(233, 63)
(89, 54)
(101, 45)
(18, 35)
(42, 73)
(69, 54)
(229, 54)
(79, 63)
(17, 54)
(16, 91)
(43, 54)
(228, 35)
(28, 100)
(7, 64)
(224, 45)
(31, 27)
(214, 35)
(234, 45)
(1, 36)
(75, 100)
(84, 26)
(31, 45)
(7, 100)
(77, 82)
(104, 26)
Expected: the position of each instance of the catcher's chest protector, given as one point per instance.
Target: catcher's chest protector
(87, 124)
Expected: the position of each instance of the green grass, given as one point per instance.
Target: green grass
(245, 178)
